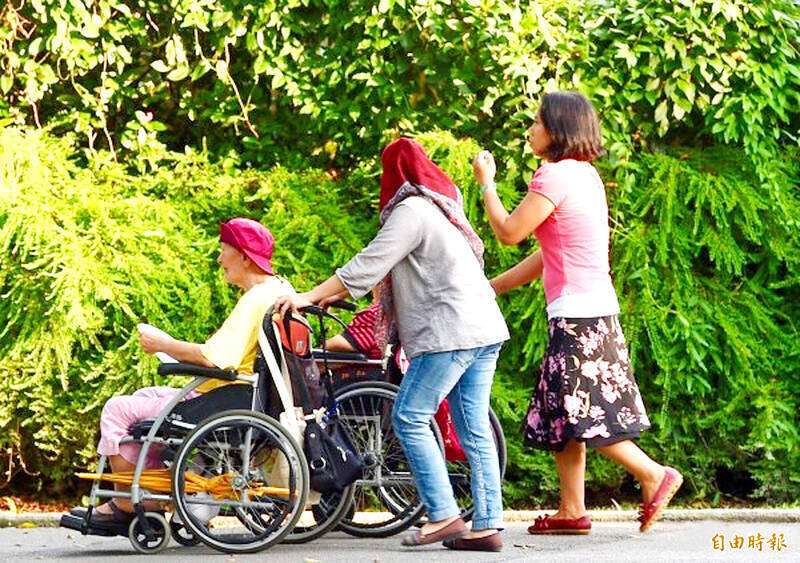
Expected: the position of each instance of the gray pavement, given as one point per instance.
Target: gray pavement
(609, 541)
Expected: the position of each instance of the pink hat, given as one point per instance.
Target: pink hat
(252, 239)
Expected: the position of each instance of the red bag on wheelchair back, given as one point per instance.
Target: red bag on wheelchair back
(295, 337)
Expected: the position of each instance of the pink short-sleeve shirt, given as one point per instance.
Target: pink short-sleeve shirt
(574, 238)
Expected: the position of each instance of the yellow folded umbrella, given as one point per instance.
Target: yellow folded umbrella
(160, 480)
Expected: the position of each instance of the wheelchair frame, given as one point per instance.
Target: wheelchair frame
(149, 531)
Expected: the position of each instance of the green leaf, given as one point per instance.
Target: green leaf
(159, 65)
(653, 84)
(6, 82)
(91, 28)
(33, 48)
(178, 73)
(688, 89)
(221, 68)
(123, 9)
(260, 65)
(661, 111)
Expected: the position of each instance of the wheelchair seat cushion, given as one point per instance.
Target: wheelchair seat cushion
(192, 411)
(235, 396)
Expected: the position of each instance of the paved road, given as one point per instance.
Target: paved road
(609, 541)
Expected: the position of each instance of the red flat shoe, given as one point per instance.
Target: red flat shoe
(547, 525)
(649, 512)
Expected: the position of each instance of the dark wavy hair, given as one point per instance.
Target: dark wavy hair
(573, 126)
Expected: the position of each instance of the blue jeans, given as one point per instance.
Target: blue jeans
(465, 378)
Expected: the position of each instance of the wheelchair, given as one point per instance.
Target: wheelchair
(235, 474)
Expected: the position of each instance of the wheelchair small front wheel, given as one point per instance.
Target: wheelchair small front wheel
(159, 538)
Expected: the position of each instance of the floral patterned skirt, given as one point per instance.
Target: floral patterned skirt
(586, 390)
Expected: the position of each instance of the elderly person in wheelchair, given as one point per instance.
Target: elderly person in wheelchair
(245, 256)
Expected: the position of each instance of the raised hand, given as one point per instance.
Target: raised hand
(484, 168)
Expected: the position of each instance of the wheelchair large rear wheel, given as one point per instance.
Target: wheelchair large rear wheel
(240, 481)
(385, 499)
(391, 504)
(460, 474)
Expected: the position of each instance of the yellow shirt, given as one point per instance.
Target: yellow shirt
(234, 345)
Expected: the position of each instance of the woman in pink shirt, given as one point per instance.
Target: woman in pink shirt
(587, 394)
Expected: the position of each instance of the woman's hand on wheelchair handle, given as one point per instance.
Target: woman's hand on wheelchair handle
(331, 286)
(292, 303)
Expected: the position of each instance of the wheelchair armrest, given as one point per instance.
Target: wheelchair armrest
(339, 356)
(194, 369)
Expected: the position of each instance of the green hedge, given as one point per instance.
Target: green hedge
(703, 256)
(327, 80)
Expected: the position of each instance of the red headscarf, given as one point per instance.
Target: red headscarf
(404, 160)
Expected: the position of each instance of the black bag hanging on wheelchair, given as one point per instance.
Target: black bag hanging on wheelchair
(333, 460)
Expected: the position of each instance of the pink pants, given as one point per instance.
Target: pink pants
(120, 413)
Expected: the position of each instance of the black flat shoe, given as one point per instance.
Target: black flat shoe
(114, 521)
(487, 543)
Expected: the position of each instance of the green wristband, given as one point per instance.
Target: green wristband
(488, 185)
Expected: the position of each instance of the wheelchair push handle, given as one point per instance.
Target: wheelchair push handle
(342, 304)
(320, 311)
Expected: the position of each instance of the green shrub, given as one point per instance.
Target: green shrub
(90, 251)
(704, 262)
(79, 263)
(707, 260)
(288, 81)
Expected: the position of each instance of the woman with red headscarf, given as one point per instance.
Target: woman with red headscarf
(434, 295)
(245, 256)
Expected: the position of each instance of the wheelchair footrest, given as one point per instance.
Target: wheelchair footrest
(79, 523)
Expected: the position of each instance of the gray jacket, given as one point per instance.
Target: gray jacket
(442, 299)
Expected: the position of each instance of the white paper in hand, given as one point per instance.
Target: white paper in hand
(166, 358)
(145, 328)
